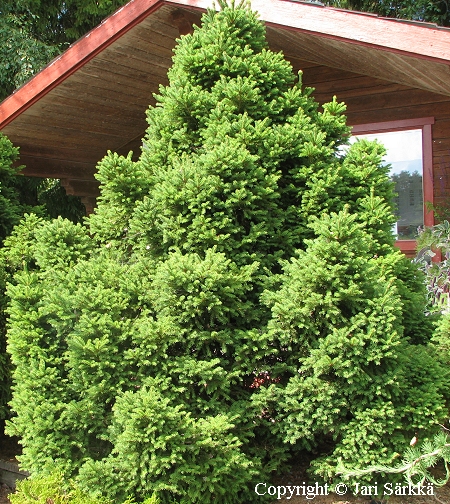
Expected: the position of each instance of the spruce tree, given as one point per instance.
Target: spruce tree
(13, 204)
(9, 214)
(355, 383)
(146, 346)
(20, 195)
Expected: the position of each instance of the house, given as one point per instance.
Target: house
(393, 75)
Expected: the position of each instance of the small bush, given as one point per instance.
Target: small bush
(51, 489)
(431, 240)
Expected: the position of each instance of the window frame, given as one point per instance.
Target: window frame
(425, 124)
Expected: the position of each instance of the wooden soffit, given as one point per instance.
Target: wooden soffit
(94, 96)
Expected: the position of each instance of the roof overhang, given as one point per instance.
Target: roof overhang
(93, 97)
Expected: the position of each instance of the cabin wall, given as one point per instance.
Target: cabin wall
(371, 100)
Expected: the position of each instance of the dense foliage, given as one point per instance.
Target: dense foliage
(32, 32)
(206, 325)
(21, 54)
(432, 11)
(20, 195)
(13, 204)
(56, 22)
(50, 488)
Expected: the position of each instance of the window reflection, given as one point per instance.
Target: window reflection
(404, 154)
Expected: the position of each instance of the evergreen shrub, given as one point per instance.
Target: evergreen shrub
(20, 195)
(52, 489)
(235, 297)
(12, 207)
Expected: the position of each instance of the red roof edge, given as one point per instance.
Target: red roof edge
(82, 51)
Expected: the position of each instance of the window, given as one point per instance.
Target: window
(409, 152)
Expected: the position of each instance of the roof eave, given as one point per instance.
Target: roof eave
(347, 26)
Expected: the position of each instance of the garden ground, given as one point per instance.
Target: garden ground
(297, 477)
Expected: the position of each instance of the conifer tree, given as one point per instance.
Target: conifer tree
(12, 207)
(146, 344)
(20, 195)
(354, 377)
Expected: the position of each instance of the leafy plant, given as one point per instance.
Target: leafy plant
(435, 240)
(21, 54)
(53, 489)
(13, 204)
(50, 488)
(33, 32)
(432, 11)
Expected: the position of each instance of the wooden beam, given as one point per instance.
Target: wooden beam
(83, 188)
(56, 168)
(399, 125)
(10, 473)
(89, 203)
(185, 21)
